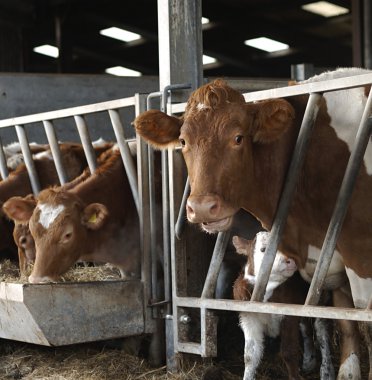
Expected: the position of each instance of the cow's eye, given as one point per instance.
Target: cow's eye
(238, 139)
(182, 142)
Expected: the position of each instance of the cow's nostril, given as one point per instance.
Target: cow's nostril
(23, 240)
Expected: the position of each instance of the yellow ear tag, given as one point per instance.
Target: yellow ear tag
(93, 218)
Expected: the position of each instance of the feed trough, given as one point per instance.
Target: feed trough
(67, 313)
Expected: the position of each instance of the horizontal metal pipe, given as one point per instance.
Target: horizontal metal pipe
(328, 312)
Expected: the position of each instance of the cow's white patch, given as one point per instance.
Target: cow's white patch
(47, 155)
(48, 214)
(350, 368)
(202, 107)
(345, 109)
(361, 288)
(336, 272)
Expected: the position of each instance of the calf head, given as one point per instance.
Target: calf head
(219, 134)
(61, 226)
(283, 267)
(21, 232)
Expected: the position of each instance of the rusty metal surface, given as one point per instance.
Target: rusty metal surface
(69, 313)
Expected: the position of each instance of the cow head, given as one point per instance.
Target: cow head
(21, 232)
(219, 134)
(60, 225)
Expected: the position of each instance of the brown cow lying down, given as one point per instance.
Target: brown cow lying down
(237, 155)
(96, 220)
(18, 184)
(283, 287)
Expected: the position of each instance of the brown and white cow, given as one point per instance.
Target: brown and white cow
(284, 286)
(96, 220)
(18, 184)
(237, 155)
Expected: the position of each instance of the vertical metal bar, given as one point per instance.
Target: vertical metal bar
(181, 220)
(144, 208)
(287, 194)
(125, 154)
(215, 265)
(343, 199)
(87, 142)
(34, 179)
(3, 163)
(56, 153)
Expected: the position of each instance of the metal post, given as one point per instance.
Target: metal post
(286, 197)
(3, 163)
(125, 154)
(181, 220)
(215, 265)
(87, 142)
(29, 162)
(56, 153)
(339, 212)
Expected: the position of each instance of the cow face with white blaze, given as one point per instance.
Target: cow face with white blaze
(61, 226)
(218, 134)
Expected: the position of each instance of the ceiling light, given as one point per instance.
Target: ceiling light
(120, 34)
(49, 50)
(266, 44)
(205, 20)
(121, 71)
(207, 60)
(326, 9)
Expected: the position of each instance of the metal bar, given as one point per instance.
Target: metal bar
(343, 199)
(181, 220)
(328, 312)
(56, 153)
(125, 154)
(151, 96)
(3, 162)
(68, 112)
(27, 156)
(208, 333)
(287, 195)
(300, 89)
(169, 88)
(87, 142)
(189, 347)
(215, 264)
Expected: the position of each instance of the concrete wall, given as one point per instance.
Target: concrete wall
(24, 94)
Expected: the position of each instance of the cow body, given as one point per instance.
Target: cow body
(237, 156)
(93, 220)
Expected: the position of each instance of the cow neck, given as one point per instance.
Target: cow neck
(17, 184)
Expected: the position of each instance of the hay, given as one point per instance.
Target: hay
(9, 272)
(88, 362)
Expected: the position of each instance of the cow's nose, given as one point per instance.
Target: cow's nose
(32, 279)
(291, 264)
(203, 208)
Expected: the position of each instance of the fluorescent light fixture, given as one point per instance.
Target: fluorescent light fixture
(121, 71)
(207, 60)
(205, 20)
(49, 50)
(120, 34)
(266, 44)
(324, 8)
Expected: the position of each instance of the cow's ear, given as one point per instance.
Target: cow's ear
(242, 246)
(158, 129)
(19, 209)
(270, 119)
(94, 216)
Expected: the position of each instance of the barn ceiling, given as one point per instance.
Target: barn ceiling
(323, 41)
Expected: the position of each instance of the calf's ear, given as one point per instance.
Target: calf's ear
(94, 216)
(269, 119)
(19, 209)
(242, 246)
(158, 129)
